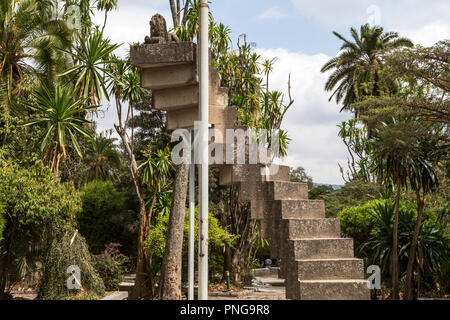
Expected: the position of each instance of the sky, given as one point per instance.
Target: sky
(299, 34)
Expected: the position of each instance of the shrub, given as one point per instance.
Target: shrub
(358, 222)
(110, 266)
(105, 219)
(35, 203)
(156, 241)
(69, 249)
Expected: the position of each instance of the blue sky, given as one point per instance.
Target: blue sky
(299, 33)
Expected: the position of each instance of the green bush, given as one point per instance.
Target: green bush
(105, 219)
(156, 241)
(358, 222)
(69, 249)
(35, 204)
(354, 193)
(110, 266)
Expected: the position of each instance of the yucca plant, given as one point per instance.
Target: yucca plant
(91, 55)
(62, 117)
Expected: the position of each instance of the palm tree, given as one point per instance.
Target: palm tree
(29, 36)
(356, 68)
(107, 6)
(102, 157)
(62, 114)
(91, 55)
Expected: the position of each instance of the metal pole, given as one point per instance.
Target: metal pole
(204, 117)
(191, 221)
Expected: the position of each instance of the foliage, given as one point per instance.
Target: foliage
(62, 114)
(103, 158)
(105, 209)
(68, 249)
(356, 70)
(35, 204)
(433, 243)
(354, 193)
(91, 59)
(357, 222)
(33, 196)
(156, 241)
(29, 38)
(110, 266)
(299, 175)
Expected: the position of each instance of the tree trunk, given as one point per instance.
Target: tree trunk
(413, 248)
(171, 268)
(227, 262)
(395, 285)
(143, 286)
(173, 9)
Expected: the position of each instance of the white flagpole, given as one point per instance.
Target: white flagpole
(204, 117)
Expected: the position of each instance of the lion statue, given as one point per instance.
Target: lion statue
(158, 32)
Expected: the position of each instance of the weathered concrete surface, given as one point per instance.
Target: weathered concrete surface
(333, 290)
(160, 55)
(330, 269)
(169, 76)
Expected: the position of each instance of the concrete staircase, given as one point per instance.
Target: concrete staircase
(315, 261)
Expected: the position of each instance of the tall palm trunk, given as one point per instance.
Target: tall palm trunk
(413, 247)
(395, 271)
(171, 268)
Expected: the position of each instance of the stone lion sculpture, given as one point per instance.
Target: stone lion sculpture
(158, 32)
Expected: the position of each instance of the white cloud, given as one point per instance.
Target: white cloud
(425, 22)
(312, 121)
(273, 13)
(429, 34)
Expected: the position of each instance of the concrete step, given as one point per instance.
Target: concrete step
(333, 290)
(187, 97)
(333, 248)
(234, 174)
(130, 276)
(285, 190)
(313, 228)
(330, 269)
(126, 286)
(301, 209)
(185, 118)
(174, 76)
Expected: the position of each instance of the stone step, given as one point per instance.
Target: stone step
(126, 286)
(331, 269)
(332, 248)
(286, 190)
(185, 118)
(301, 209)
(313, 228)
(169, 77)
(235, 174)
(186, 97)
(333, 290)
